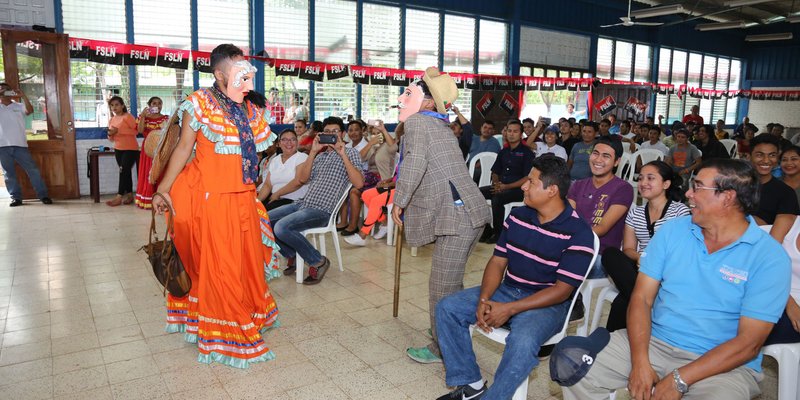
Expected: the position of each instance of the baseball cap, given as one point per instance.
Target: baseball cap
(573, 356)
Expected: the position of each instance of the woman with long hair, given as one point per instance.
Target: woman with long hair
(790, 166)
(150, 120)
(122, 132)
(660, 186)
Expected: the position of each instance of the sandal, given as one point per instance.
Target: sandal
(116, 201)
(345, 232)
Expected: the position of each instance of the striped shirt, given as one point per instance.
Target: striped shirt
(636, 220)
(541, 254)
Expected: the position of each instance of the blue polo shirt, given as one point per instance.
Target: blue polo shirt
(702, 296)
(540, 254)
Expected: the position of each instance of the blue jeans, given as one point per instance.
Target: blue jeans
(287, 223)
(598, 271)
(528, 330)
(21, 155)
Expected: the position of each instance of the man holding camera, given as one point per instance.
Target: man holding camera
(14, 145)
(327, 171)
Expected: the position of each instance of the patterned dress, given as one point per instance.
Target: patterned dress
(224, 239)
(144, 189)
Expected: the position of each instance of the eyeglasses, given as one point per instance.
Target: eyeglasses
(694, 186)
(287, 140)
(332, 131)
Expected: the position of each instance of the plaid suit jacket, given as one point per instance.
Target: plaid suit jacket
(431, 161)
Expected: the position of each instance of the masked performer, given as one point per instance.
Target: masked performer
(222, 231)
(435, 194)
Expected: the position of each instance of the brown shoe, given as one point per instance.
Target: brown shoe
(315, 274)
(116, 201)
(127, 199)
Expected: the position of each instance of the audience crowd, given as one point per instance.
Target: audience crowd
(669, 214)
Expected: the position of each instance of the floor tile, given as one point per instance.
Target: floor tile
(80, 380)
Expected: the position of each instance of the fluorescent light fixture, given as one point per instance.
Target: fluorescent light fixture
(769, 37)
(720, 25)
(658, 11)
(793, 20)
(739, 3)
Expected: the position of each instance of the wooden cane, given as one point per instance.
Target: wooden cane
(398, 253)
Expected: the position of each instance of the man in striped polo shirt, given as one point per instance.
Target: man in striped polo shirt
(541, 256)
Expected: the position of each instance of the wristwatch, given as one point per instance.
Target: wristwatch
(680, 385)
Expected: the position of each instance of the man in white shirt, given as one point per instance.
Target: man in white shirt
(654, 142)
(14, 145)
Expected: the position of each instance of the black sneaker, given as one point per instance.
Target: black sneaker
(465, 392)
(46, 200)
(545, 351)
(315, 274)
(577, 311)
(15, 203)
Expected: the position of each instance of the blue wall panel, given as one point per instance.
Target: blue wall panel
(774, 63)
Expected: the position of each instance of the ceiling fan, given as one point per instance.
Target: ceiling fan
(628, 21)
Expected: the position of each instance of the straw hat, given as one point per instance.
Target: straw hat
(151, 143)
(442, 87)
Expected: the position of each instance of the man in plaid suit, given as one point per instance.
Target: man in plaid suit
(435, 194)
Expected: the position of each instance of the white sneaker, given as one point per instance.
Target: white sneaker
(381, 233)
(355, 239)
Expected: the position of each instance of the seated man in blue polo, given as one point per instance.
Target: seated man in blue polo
(509, 173)
(710, 288)
(540, 258)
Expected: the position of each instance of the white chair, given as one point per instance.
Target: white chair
(499, 334)
(510, 206)
(586, 292)
(731, 146)
(487, 160)
(607, 294)
(624, 167)
(648, 155)
(788, 357)
(320, 232)
(626, 147)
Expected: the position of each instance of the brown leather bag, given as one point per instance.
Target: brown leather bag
(163, 256)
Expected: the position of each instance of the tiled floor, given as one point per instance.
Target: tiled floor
(82, 318)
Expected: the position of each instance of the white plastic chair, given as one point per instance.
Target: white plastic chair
(624, 167)
(320, 232)
(788, 357)
(607, 294)
(499, 334)
(731, 146)
(510, 206)
(586, 291)
(487, 160)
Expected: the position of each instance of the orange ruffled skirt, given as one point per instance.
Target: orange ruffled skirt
(227, 247)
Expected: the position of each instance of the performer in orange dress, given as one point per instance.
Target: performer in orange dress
(222, 231)
(150, 119)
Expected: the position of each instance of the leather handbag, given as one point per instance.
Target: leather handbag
(164, 258)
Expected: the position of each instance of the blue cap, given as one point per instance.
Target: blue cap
(573, 356)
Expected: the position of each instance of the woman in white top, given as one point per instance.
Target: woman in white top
(660, 186)
(787, 330)
(550, 146)
(278, 183)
